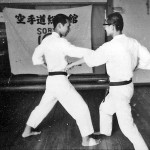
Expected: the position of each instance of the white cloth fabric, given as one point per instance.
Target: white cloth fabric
(58, 87)
(121, 55)
(27, 27)
(55, 49)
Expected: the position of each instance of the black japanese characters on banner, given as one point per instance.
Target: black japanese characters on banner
(41, 20)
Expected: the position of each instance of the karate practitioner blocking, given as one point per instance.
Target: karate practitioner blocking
(58, 88)
(122, 55)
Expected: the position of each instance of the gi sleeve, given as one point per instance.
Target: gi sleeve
(98, 57)
(74, 51)
(37, 57)
(143, 56)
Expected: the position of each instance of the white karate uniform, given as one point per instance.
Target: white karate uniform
(58, 88)
(121, 55)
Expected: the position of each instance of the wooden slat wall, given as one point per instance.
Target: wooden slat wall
(51, 1)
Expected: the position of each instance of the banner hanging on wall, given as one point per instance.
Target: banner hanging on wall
(26, 28)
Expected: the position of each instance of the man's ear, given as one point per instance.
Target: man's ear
(59, 25)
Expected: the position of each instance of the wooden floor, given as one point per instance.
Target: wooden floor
(59, 130)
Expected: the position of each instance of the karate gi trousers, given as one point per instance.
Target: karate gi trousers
(118, 101)
(58, 88)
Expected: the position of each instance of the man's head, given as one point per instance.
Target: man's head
(114, 21)
(61, 24)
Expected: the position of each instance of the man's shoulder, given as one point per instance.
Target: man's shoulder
(107, 46)
(130, 38)
(108, 43)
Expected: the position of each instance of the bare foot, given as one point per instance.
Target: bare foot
(90, 142)
(28, 132)
(24, 135)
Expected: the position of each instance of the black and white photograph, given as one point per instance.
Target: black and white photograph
(74, 75)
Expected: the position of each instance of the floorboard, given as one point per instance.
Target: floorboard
(59, 130)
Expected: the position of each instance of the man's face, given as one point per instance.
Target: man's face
(65, 28)
(108, 28)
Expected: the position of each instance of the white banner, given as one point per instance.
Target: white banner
(25, 29)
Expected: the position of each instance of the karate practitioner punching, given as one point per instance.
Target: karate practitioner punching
(122, 55)
(58, 88)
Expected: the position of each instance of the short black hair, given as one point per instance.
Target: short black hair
(60, 18)
(117, 20)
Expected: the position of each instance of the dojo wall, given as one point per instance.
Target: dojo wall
(62, 1)
(97, 31)
(137, 25)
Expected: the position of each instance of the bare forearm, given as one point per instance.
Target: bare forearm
(76, 63)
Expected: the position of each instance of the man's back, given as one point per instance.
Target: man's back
(122, 58)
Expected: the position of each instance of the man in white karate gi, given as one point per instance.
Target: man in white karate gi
(58, 88)
(122, 55)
